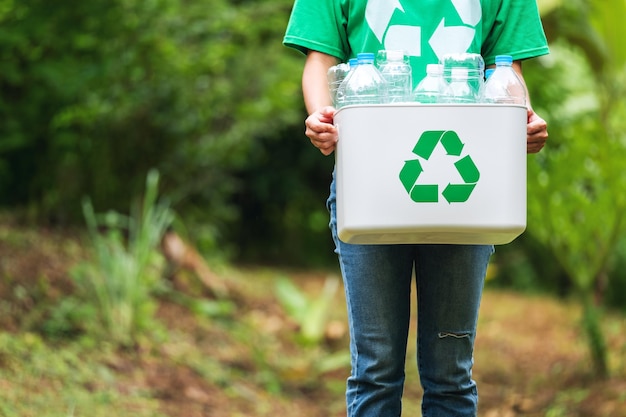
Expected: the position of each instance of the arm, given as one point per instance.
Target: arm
(536, 127)
(319, 124)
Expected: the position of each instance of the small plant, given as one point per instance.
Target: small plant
(309, 312)
(126, 265)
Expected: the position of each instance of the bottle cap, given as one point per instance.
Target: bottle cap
(391, 55)
(504, 59)
(365, 57)
(434, 69)
(474, 63)
(459, 72)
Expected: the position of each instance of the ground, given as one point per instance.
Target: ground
(243, 355)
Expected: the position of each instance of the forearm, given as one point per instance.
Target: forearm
(536, 127)
(314, 81)
(517, 67)
(319, 124)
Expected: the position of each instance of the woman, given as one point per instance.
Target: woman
(377, 278)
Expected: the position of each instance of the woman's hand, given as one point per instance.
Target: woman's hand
(321, 131)
(536, 132)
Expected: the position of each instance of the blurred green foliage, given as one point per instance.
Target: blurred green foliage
(576, 205)
(310, 312)
(70, 380)
(94, 94)
(121, 279)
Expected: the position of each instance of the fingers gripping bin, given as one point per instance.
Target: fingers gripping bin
(441, 173)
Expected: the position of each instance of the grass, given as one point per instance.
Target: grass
(41, 380)
(126, 265)
(244, 356)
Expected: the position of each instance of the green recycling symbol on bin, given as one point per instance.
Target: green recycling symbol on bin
(429, 193)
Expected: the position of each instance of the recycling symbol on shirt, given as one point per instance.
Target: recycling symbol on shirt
(445, 39)
(429, 193)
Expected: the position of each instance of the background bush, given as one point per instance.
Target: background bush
(95, 94)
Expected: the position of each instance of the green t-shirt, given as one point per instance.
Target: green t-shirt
(425, 29)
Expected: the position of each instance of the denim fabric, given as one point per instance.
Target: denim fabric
(377, 280)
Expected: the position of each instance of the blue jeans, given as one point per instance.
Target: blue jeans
(377, 280)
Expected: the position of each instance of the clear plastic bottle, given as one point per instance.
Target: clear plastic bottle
(363, 85)
(395, 68)
(504, 85)
(461, 89)
(473, 63)
(336, 75)
(432, 87)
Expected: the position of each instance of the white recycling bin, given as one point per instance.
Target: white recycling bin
(440, 173)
